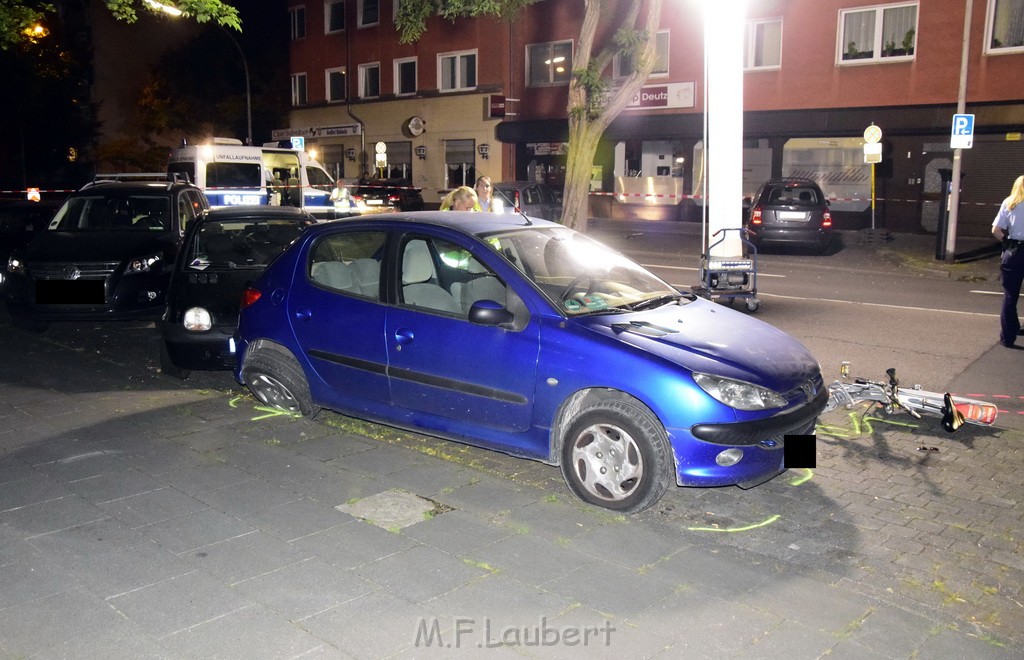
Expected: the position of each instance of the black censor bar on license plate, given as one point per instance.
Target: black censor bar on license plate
(800, 451)
(69, 292)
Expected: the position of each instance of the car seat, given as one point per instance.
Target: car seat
(417, 289)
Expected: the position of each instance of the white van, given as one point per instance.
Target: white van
(232, 174)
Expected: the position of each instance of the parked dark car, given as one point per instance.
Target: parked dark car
(224, 251)
(536, 200)
(386, 195)
(20, 221)
(106, 254)
(791, 211)
(529, 338)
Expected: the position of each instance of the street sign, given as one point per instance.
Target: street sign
(872, 134)
(962, 135)
(872, 152)
(298, 142)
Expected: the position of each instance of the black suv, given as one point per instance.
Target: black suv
(386, 195)
(790, 211)
(106, 254)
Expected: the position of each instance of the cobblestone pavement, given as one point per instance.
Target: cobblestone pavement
(145, 517)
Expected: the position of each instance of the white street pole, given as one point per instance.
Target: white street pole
(954, 195)
(723, 150)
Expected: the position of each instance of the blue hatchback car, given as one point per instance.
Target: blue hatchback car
(528, 338)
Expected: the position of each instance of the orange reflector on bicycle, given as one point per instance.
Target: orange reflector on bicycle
(980, 414)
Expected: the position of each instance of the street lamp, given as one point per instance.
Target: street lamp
(174, 11)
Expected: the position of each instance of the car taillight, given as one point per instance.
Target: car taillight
(357, 198)
(393, 198)
(755, 216)
(249, 296)
(826, 219)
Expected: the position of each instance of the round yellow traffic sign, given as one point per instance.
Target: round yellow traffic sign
(872, 134)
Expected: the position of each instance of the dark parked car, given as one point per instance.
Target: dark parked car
(385, 195)
(791, 211)
(20, 221)
(223, 252)
(536, 200)
(530, 339)
(106, 254)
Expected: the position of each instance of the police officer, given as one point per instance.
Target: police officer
(1008, 227)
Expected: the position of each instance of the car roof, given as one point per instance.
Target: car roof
(790, 181)
(131, 187)
(517, 184)
(467, 222)
(256, 213)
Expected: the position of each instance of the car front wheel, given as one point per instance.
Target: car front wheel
(616, 455)
(277, 380)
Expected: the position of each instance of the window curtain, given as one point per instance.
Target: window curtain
(858, 33)
(898, 29)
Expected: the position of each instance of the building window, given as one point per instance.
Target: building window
(456, 71)
(369, 12)
(624, 64)
(334, 16)
(460, 163)
(337, 85)
(297, 17)
(548, 64)
(298, 89)
(878, 33)
(1004, 28)
(369, 80)
(763, 47)
(405, 76)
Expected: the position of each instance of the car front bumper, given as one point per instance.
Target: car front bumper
(706, 454)
(213, 350)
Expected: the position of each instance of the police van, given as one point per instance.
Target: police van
(232, 174)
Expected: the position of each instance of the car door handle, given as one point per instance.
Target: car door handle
(303, 313)
(403, 336)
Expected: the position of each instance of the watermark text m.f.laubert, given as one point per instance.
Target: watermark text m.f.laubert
(465, 632)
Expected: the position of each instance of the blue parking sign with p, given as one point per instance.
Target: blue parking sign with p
(962, 136)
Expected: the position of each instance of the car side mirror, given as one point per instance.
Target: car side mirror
(489, 312)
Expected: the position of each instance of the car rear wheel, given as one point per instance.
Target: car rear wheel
(616, 454)
(277, 380)
(167, 365)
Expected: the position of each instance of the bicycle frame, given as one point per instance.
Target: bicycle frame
(954, 411)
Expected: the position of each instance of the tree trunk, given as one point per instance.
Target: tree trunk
(585, 128)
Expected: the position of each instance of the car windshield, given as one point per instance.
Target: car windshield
(580, 275)
(118, 213)
(238, 243)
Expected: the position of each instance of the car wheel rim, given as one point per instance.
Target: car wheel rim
(274, 393)
(606, 462)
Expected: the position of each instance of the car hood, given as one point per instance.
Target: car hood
(95, 246)
(704, 336)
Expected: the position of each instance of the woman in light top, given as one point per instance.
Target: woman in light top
(485, 196)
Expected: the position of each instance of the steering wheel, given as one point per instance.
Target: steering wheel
(575, 284)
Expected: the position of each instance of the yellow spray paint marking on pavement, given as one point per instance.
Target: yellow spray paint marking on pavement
(733, 530)
(799, 480)
(272, 412)
(859, 425)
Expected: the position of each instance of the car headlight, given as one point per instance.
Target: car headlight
(738, 394)
(15, 265)
(144, 264)
(197, 319)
